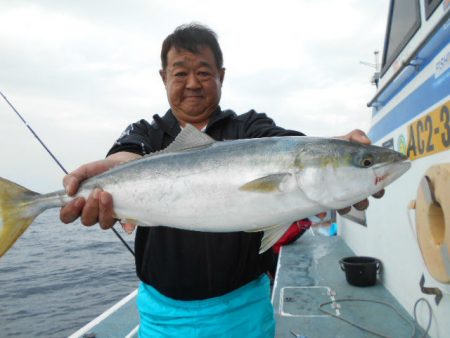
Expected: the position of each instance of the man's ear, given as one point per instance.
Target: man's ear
(222, 75)
(162, 73)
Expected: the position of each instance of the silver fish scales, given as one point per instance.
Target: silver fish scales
(200, 184)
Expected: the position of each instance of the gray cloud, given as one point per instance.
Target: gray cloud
(80, 71)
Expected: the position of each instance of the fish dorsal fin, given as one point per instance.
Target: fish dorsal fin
(189, 137)
(266, 184)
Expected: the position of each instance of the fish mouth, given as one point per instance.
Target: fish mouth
(388, 172)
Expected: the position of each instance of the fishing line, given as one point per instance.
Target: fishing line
(34, 134)
(56, 160)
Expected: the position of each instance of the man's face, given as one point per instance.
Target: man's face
(193, 84)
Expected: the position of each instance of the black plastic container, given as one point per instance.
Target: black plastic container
(360, 270)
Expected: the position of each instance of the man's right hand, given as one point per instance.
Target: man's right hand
(99, 205)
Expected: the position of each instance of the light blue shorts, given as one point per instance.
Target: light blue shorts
(245, 312)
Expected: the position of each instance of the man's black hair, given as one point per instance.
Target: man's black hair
(192, 37)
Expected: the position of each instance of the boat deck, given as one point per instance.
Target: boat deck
(119, 321)
(308, 275)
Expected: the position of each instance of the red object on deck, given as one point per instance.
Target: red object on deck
(292, 234)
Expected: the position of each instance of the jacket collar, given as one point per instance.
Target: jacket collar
(169, 124)
(218, 116)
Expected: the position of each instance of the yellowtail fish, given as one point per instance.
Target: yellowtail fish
(200, 184)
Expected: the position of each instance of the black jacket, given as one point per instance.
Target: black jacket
(190, 265)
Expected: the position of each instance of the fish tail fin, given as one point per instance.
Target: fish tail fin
(17, 211)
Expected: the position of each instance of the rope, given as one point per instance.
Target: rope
(430, 314)
(360, 326)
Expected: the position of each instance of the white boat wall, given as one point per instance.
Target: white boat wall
(409, 228)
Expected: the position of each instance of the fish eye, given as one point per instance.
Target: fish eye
(366, 162)
(363, 159)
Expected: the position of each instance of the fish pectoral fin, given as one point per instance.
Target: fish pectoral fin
(272, 235)
(270, 183)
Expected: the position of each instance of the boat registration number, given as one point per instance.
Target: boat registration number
(429, 134)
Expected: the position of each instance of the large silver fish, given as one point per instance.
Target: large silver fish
(199, 184)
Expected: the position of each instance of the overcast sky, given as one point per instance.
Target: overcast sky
(81, 71)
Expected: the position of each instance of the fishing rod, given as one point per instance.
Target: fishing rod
(56, 160)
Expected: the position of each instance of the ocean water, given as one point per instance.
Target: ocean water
(58, 277)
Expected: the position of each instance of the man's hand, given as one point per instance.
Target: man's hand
(360, 137)
(357, 136)
(99, 205)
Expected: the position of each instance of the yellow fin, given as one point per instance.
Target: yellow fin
(16, 213)
(270, 183)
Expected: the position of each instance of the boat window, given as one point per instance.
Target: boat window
(430, 6)
(404, 21)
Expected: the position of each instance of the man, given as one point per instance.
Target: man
(194, 284)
